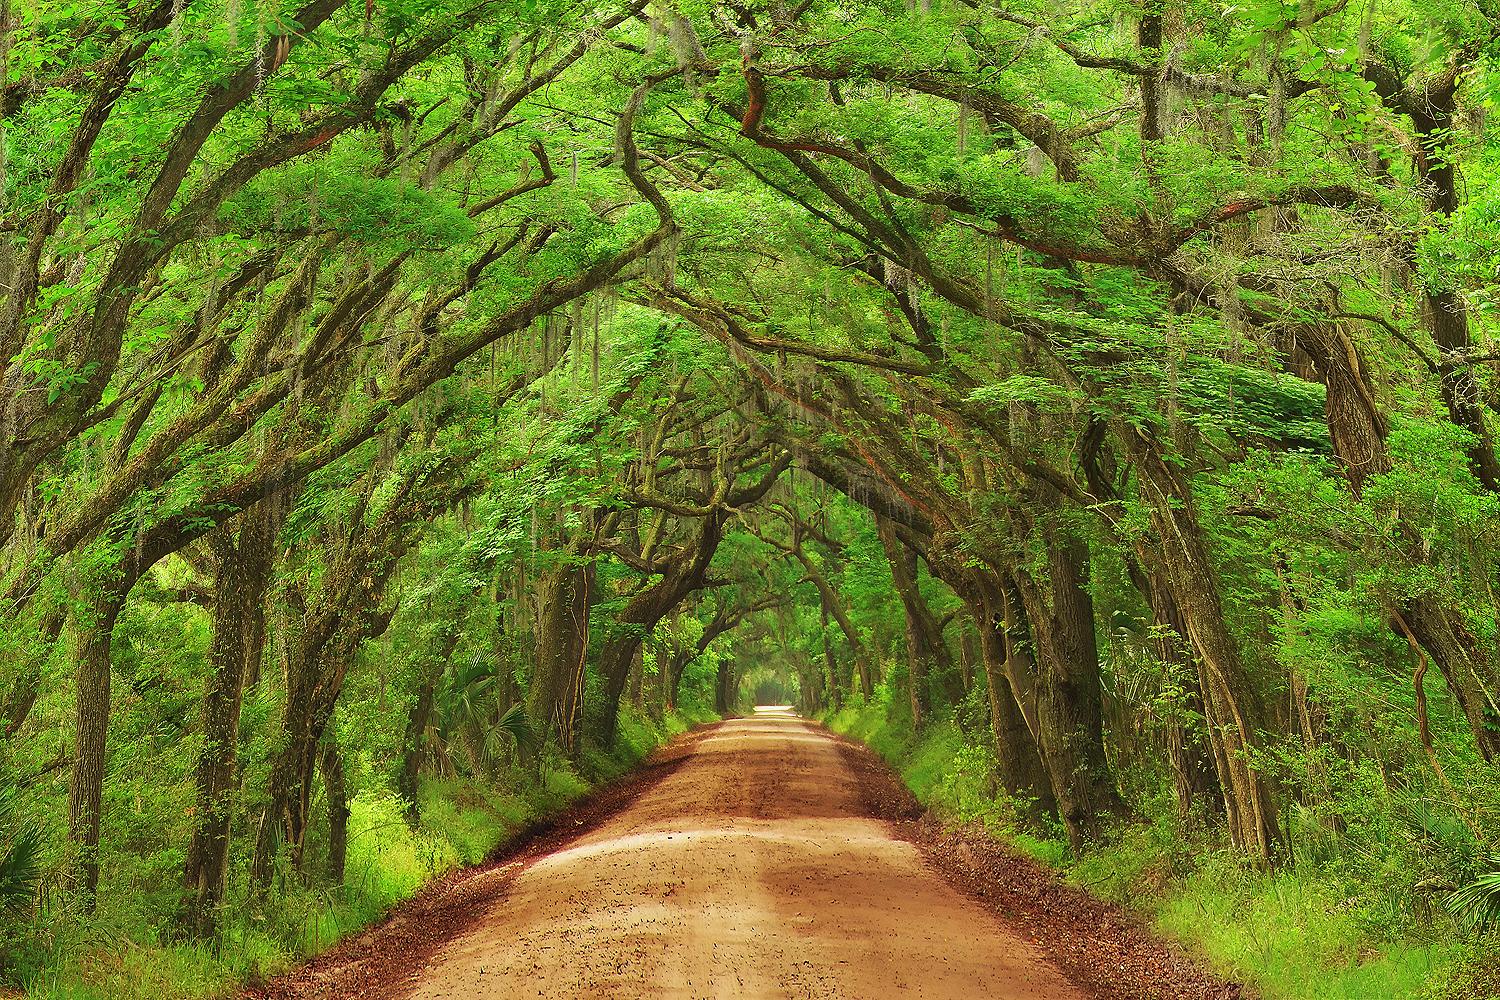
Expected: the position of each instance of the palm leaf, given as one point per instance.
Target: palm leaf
(1476, 906)
(516, 727)
(20, 870)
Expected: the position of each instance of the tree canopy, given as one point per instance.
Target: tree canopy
(407, 397)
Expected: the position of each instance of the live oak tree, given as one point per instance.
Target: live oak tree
(402, 398)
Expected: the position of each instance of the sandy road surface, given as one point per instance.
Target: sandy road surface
(750, 872)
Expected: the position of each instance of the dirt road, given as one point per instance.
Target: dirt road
(752, 871)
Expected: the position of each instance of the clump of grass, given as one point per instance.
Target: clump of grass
(1291, 934)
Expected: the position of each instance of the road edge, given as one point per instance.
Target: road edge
(382, 962)
(1104, 949)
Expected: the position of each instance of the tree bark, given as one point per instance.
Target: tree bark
(1193, 773)
(570, 702)
(1019, 766)
(834, 607)
(349, 612)
(648, 607)
(830, 662)
(553, 696)
(1236, 715)
(968, 655)
(554, 596)
(238, 639)
(414, 743)
(1070, 713)
(21, 696)
(637, 677)
(94, 624)
(1357, 432)
(331, 766)
(679, 665)
(927, 653)
(1432, 103)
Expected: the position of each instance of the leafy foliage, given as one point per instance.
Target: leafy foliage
(415, 412)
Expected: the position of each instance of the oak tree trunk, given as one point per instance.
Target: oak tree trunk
(237, 641)
(1238, 724)
(94, 623)
(1019, 767)
(1070, 713)
(927, 653)
(331, 766)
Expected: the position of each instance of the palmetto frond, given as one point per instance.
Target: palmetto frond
(1477, 905)
(20, 871)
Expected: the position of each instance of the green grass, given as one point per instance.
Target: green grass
(119, 955)
(1287, 934)
(1298, 933)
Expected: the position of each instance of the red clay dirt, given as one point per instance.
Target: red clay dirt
(766, 859)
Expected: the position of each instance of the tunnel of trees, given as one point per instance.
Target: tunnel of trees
(409, 401)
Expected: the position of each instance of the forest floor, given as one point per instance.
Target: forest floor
(760, 858)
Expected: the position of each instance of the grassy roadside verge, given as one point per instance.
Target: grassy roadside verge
(116, 956)
(1302, 932)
